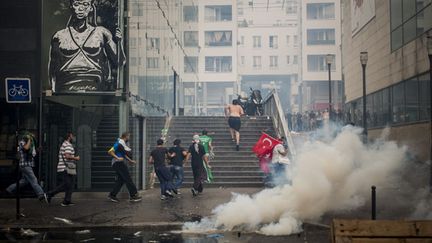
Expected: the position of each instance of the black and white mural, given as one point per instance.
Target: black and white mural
(86, 52)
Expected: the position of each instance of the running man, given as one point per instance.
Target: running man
(158, 157)
(26, 154)
(234, 112)
(206, 141)
(121, 152)
(177, 154)
(198, 155)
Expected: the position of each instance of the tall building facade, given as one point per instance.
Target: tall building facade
(397, 72)
(210, 72)
(320, 37)
(269, 48)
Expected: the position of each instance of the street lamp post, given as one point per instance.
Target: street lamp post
(329, 60)
(363, 61)
(429, 49)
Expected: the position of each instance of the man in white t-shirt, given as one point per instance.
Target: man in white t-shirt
(280, 162)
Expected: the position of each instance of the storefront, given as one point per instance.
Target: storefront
(82, 65)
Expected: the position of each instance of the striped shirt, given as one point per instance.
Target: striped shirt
(66, 148)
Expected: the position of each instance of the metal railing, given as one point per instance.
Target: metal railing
(273, 109)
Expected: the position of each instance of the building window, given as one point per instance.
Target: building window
(405, 102)
(137, 9)
(256, 62)
(152, 62)
(242, 60)
(291, 7)
(398, 103)
(256, 41)
(317, 63)
(424, 97)
(295, 59)
(216, 13)
(411, 100)
(273, 41)
(190, 13)
(153, 43)
(132, 42)
(273, 61)
(133, 61)
(218, 38)
(320, 36)
(320, 11)
(241, 40)
(220, 64)
(288, 59)
(190, 64)
(409, 19)
(191, 38)
(288, 40)
(295, 37)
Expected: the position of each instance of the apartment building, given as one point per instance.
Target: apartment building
(269, 48)
(210, 72)
(321, 37)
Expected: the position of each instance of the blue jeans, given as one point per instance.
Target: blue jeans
(27, 177)
(165, 179)
(278, 171)
(177, 173)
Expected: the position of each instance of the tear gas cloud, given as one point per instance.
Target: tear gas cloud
(327, 176)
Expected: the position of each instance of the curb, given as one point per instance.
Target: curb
(157, 226)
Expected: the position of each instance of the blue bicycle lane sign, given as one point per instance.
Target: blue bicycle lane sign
(18, 90)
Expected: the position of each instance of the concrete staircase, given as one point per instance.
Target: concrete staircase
(102, 175)
(230, 168)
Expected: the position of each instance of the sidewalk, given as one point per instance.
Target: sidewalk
(94, 209)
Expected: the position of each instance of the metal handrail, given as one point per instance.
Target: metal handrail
(273, 109)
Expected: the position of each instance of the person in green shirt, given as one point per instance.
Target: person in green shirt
(206, 141)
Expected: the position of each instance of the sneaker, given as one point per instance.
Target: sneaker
(67, 204)
(163, 197)
(135, 198)
(174, 191)
(194, 192)
(169, 194)
(178, 192)
(113, 198)
(44, 198)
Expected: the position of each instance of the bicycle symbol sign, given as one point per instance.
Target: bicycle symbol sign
(18, 90)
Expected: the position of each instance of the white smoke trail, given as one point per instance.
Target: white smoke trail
(327, 176)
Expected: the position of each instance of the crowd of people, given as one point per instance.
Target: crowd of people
(312, 120)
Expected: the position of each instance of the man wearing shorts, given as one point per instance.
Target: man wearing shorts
(234, 112)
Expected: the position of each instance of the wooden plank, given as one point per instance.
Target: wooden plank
(424, 228)
(380, 240)
(418, 240)
(374, 228)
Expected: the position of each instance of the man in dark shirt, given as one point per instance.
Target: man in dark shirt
(177, 155)
(198, 155)
(157, 158)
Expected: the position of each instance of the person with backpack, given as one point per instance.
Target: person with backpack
(26, 154)
(66, 169)
(121, 153)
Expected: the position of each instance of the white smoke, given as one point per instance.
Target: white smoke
(327, 176)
